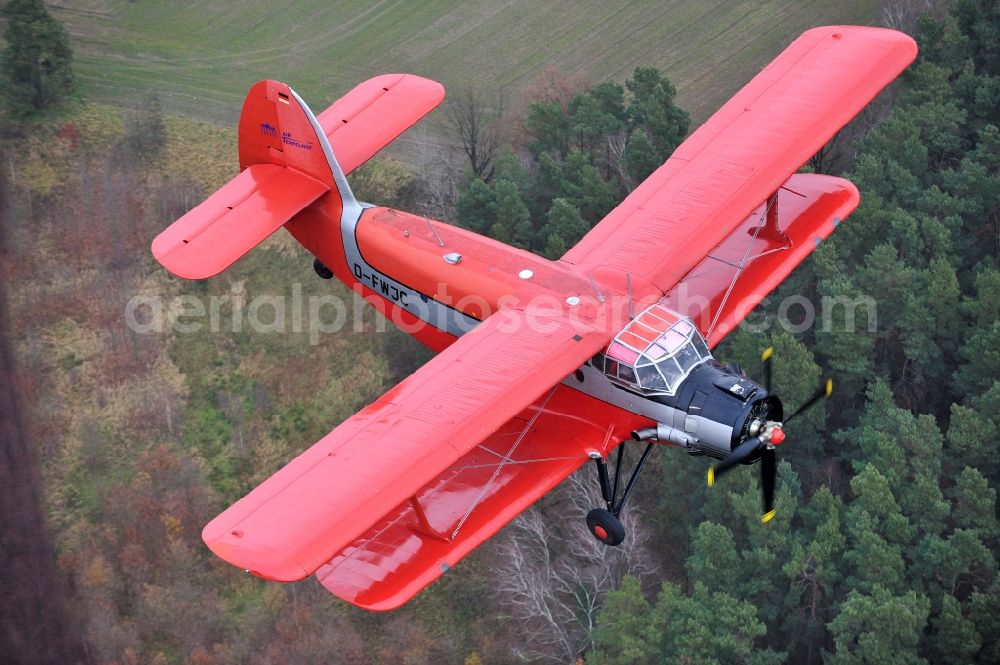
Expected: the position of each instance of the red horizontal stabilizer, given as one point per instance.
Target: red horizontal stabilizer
(426, 535)
(324, 499)
(375, 112)
(720, 291)
(233, 220)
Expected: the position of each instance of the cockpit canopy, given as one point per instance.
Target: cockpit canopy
(655, 352)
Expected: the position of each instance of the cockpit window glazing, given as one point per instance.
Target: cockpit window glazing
(655, 352)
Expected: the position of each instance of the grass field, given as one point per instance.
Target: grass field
(201, 56)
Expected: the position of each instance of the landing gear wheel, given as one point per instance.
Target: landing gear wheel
(321, 269)
(604, 526)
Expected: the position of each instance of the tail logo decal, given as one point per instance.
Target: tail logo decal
(288, 139)
(268, 130)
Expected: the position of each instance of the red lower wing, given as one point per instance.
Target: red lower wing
(425, 536)
(382, 456)
(755, 258)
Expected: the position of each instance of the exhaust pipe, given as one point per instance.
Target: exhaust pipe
(665, 434)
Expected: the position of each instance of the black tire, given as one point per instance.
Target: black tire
(322, 270)
(604, 526)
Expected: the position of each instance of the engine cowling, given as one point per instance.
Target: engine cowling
(718, 407)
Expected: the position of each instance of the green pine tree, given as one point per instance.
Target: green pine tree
(549, 126)
(477, 207)
(715, 560)
(974, 504)
(708, 628)
(954, 638)
(626, 632)
(984, 611)
(513, 220)
(653, 109)
(37, 60)
(564, 228)
(584, 187)
(879, 627)
(641, 158)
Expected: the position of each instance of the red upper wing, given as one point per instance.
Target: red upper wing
(744, 152)
(325, 498)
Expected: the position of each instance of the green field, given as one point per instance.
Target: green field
(201, 56)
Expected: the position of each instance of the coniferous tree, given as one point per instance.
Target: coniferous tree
(477, 207)
(641, 158)
(564, 228)
(974, 504)
(984, 611)
(627, 632)
(37, 61)
(653, 109)
(879, 627)
(513, 221)
(955, 639)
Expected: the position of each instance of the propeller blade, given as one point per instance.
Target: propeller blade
(742, 451)
(765, 359)
(768, 469)
(824, 392)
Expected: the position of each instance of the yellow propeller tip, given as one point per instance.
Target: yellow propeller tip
(829, 387)
(711, 476)
(768, 352)
(767, 517)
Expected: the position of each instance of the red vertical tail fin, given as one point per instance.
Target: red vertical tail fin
(277, 127)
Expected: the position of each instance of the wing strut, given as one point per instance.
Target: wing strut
(769, 224)
(423, 524)
(503, 462)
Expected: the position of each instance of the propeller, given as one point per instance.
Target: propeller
(765, 442)
(765, 360)
(824, 391)
(742, 451)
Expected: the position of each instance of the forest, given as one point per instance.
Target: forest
(118, 447)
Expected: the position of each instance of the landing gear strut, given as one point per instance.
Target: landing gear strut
(604, 523)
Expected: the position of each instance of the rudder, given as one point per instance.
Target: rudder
(276, 127)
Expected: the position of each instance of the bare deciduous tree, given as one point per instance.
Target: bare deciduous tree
(903, 14)
(838, 154)
(555, 574)
(616, 158)
(476, 118)
(438, 175)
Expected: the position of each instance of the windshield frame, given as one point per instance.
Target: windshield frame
(660, 340)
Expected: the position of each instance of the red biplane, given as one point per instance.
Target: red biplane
(542, 365)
